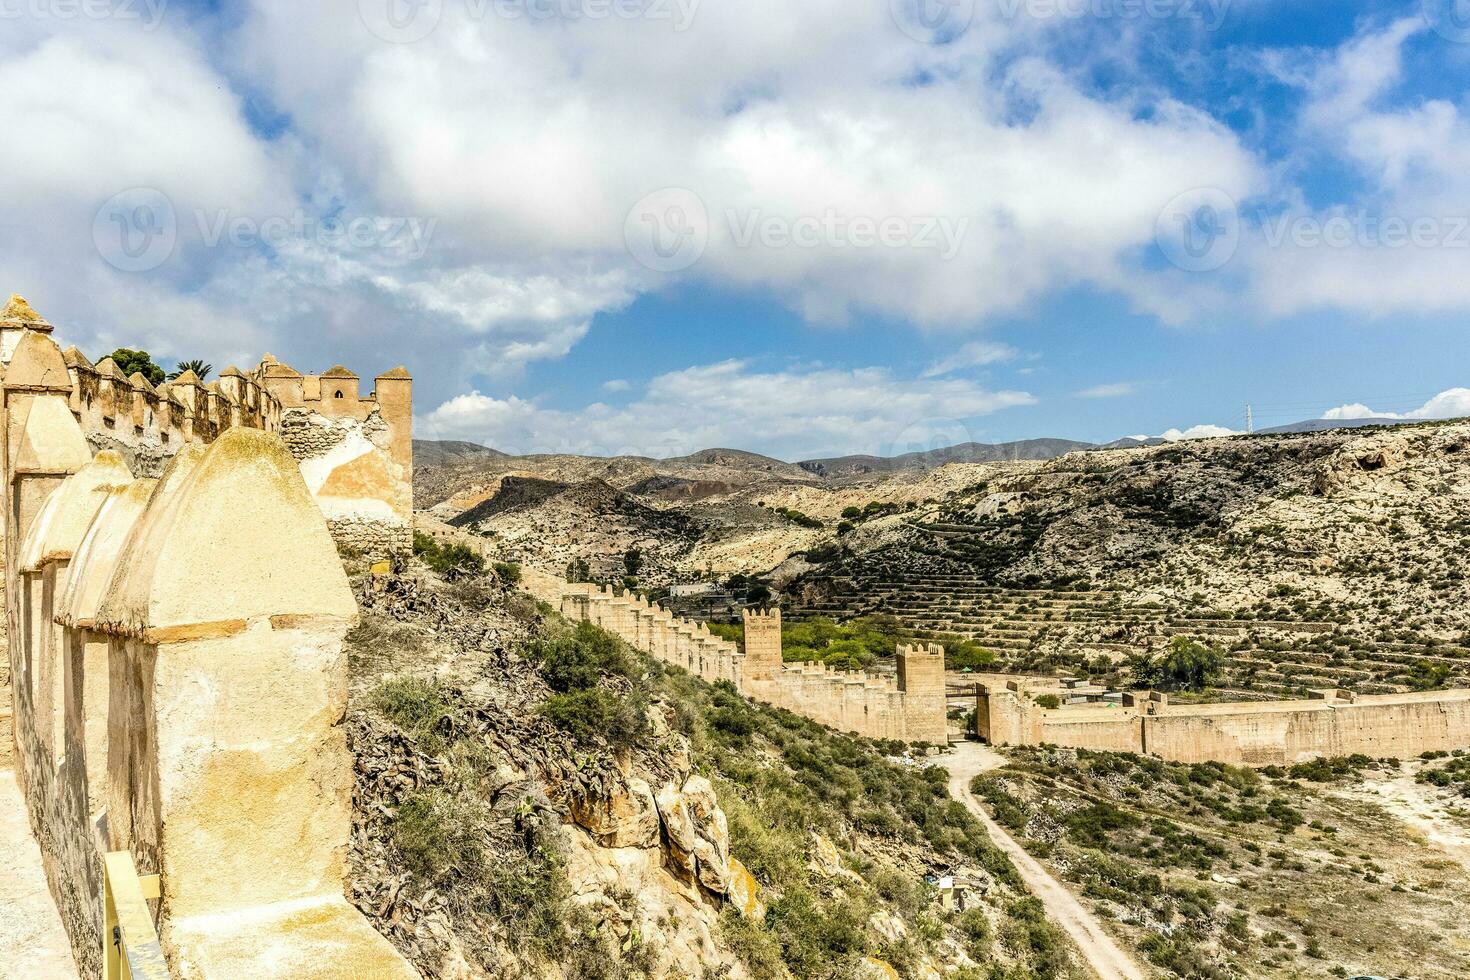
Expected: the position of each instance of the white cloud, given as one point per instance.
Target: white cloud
(1452, 403)
(1197, 432)
(792, 413)
(616, 384)
(977, 353)
(1401, 243)
(525, 140)
(1116, 390)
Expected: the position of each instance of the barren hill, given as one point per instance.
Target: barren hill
(1312, 559)
(969, 452)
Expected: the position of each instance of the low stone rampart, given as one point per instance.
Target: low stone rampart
(1254, 733)
(911, 709)
(179, 683)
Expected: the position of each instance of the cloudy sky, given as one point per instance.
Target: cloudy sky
(801, 228)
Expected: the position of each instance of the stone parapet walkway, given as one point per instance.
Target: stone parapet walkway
(33, 944)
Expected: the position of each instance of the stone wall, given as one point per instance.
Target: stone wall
(179, 684)
(356, 451)
(912, 709)
(1332, 723)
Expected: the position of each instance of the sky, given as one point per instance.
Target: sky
(803, 229)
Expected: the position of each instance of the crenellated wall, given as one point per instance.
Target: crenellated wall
(913, 709)
(179, 684)
(355, 451)
(1253, 733)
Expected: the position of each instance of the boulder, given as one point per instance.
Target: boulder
(626, 817)
(678, 827)
(745, 892)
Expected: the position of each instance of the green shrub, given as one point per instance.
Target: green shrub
(415, 705)
(1049, 701)
(436, 833)
(508, 572)
(451, 560)
(595, 713)
(581, 658)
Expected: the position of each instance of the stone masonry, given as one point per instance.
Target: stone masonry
(179, 683)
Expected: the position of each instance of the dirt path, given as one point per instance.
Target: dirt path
(33, 944)
(1105, 956)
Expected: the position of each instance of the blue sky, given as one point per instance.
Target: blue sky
(661, 231)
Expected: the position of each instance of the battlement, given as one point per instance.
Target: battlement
(179, 683)
(355, 451)
(853, 701)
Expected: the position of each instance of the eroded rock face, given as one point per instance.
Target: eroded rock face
(696, 832)
(626, 817)
(1349, 464)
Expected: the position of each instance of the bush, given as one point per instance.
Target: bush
(594, 713)
(436, 833)
(1049, 701)
(580, 659)
(508, 572)
(415, 705)
(451, 560)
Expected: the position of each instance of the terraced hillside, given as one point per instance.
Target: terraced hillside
(1309, 560)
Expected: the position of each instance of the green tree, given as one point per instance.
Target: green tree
(1189, 665)
(130, 361)
(200, 369)
(632, 560)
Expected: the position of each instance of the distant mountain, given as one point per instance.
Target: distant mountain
(1322, 425)
(969, 452)
(438, 452)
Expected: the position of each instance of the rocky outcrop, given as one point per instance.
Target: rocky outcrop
(624, 817)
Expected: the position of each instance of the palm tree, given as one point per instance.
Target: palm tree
(200, 369)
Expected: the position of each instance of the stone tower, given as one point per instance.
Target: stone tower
(921, 679)
(762, 645)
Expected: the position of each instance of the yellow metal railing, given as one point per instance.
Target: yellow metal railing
(130, 949)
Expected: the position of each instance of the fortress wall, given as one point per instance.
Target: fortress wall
(1282, 733)
(179, 685)
(1248, 733)
(853, 702)
(355, 451)
(1120, 730)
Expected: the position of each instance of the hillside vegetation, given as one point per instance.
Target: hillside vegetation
(502, 756)
(1218, 872)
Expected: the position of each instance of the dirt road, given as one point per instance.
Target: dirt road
(1105, 956)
